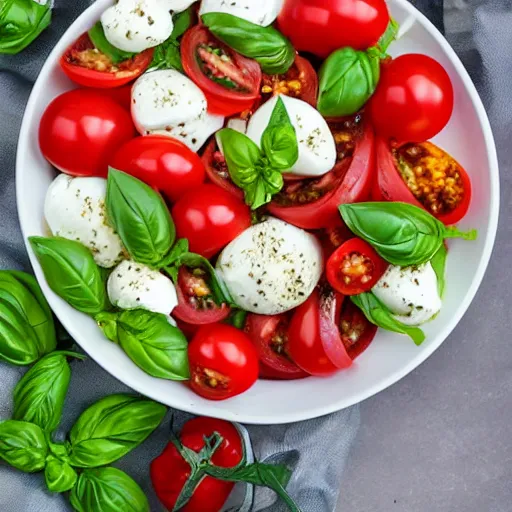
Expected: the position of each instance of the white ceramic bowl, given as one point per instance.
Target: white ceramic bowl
(390, 357)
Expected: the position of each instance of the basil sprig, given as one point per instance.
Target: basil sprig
(266, 45)
(150, 341)
(379, 315)
(97, 36)
(258, 172)
(59, 475)
(389, 36)
(438, 263)
(107, 490)
(71, 273)
(403, 234)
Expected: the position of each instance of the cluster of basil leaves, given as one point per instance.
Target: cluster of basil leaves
(403, 235)
(258, 172)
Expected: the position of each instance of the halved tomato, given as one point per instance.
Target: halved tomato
(355, 330)
(230, 82)
(267, 373)
(300, 81)
(87, 66)
(313, 203)
(424, 175)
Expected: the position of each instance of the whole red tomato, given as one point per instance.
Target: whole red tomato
(322, 26)
(81, 129)
(223, 362)
(162, 162)
(169, 471)
(210, 217)
(414, 99)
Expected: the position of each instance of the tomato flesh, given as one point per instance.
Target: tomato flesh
(356, 331)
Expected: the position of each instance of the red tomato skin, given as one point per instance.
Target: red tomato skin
(322, 26)
(227, 351)
(352, 313)
(162, 162)
(334, 262)
(121, 95)
(210, 217)
(169, 471)
(305, 343)
(80, 130)
(102, 79)
(189, 330)
(414, 99)
(221, 101)
(267, 373)
(354, 188)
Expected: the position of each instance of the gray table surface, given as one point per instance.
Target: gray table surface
(441, 439)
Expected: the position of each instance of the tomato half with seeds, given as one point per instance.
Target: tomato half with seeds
(269, 334)
(300, 81)
(355, 330)
(313, 203)
(424, 175)
(223, 362)
(354, 267)
(87, 66)
(230, 82)
(196, 304)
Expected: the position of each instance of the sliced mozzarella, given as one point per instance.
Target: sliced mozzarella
(132, 285)
(317, 149)
(271, 267)
(177, 5)
(261, 12)
(166, 102)
(410, 293)
(136, 25)
(75, 209)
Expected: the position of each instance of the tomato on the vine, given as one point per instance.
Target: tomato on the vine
(223, 362)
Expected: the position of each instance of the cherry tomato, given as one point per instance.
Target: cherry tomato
(209, 218)
(81, 129)
(223, 362)
(424, 175)
(332, 238)
(170, 471)
(189, 330)
(230, 82)
(300, 81)
(121, 95)
(267, 373)
(313, 203)
(322, 26)
(196, 304)
(162, 162)
(86, 65)
(414, 99)
(355, 267)
(356, 331)
(269, 334)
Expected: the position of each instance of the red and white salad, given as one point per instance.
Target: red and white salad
(248, 189)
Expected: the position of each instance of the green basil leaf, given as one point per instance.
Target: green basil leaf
(59, 475)
(182, 22)
(97, 36)
(107, 322)
(71, 272)
(167, 56)
(39, 396)
(379, 315)
(237, 318)
(21, 21)
(178, 250)
(389, 36)
(401, 233)
(266, 45)
(438, 263)
(141, 217)
(153, 344)
(348, 78)
(111, 428)
(107, 490)
(23, 445)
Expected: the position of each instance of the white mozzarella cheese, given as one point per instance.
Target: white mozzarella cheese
(260, 12)
(74, 208)
(177, 5)
(271, 267)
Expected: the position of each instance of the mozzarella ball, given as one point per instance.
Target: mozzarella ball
(177, 5)
(317, 148)
(260, 12)
(271, 267)
(74, 208)
(411, 293)
(132, 285)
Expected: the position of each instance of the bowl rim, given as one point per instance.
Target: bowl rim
(335, 405)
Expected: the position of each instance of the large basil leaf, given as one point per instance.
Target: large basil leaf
(379, 315)
(71, 273)
(21, 21)
(266, 45)
(107, 490)
(97, 36)
(141, 217)
(347, 80)
(401, 233)
(59, 475)
(438, 263)
(23, 445)
(111, 428)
